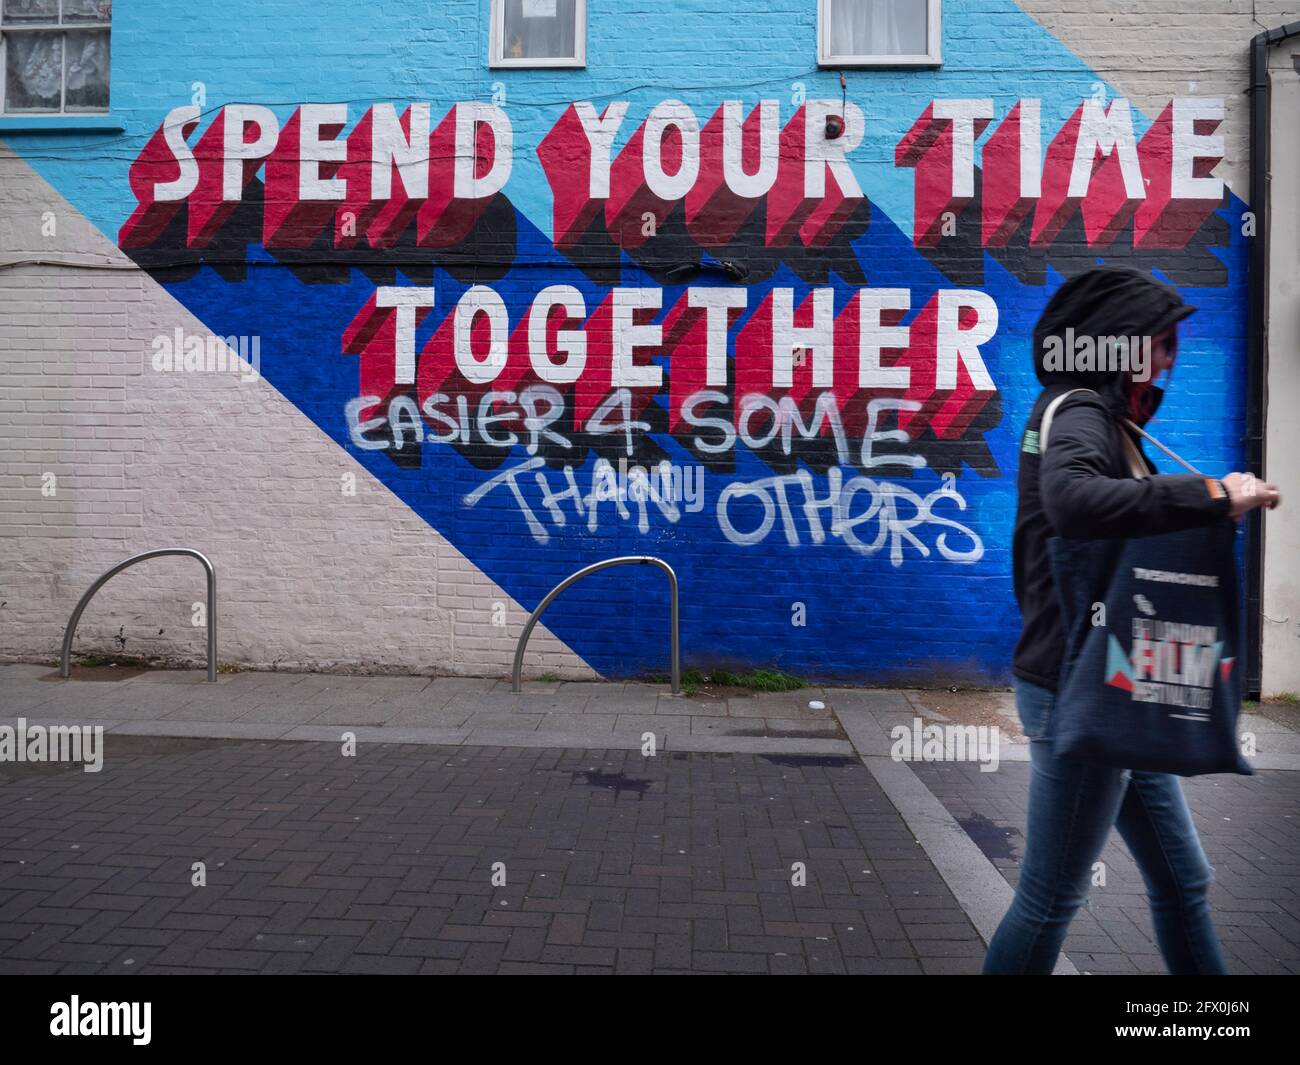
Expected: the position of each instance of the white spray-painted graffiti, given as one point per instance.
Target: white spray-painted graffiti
(866, 514)
(893, 528)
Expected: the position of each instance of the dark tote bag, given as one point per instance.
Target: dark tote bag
(1151, 678)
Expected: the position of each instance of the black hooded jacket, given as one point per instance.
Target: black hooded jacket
(1082, 488)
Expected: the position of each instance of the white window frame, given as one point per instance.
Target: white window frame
(826, 56)
(496, 47)
(9, 29)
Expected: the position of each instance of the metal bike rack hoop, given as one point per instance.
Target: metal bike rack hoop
(596, 567)
(65, 668)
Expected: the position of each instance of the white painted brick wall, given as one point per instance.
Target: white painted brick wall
(306, 577)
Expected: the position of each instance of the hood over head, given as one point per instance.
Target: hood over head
(1106, 301)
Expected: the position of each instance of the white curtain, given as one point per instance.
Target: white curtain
(878, 27)
(34, 71)
(87, 64)
(36, 61)
(31, 10)
(87, 10)
(48, 10)
(540, 29)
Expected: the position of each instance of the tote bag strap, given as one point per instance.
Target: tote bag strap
(1045, 424)
(1136, 466)
(1177, 458)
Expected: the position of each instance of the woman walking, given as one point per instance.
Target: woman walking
(1083, 486)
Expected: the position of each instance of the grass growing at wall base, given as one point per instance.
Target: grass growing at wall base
(1281, 698)
(758, 680)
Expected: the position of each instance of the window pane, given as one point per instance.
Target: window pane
(33, 71)
(87, 59)
(540, 29)
(31, 10)
(878, 27)
(87, 10)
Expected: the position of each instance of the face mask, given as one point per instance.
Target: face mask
(1148, 402)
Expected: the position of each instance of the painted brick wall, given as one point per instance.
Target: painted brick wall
(1167, 46)
(406, 572)
(307, 577)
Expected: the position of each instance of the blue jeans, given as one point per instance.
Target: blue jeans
(1071, 810)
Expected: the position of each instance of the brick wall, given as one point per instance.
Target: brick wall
(1168, 46)
(307, 577)
(814, 559)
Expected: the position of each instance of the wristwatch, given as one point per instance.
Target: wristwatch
(1217, 489)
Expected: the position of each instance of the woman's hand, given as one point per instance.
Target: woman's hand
(1247, 492)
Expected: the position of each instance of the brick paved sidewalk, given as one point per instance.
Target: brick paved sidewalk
(327, 858)
(384, 863)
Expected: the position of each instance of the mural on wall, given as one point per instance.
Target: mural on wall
(724, 352)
